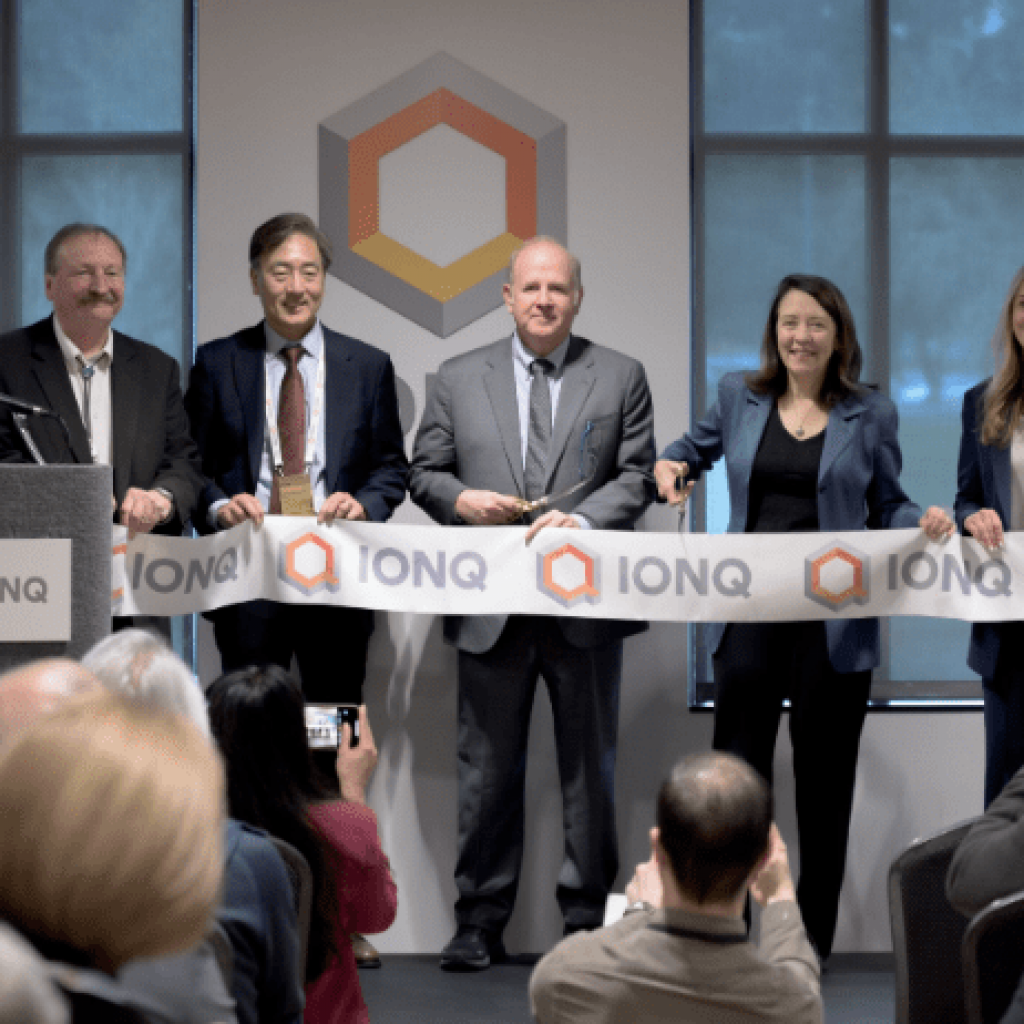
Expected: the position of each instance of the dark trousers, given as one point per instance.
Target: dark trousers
(496, 693)
(1004, 712)
(756, 667)
(328, 643)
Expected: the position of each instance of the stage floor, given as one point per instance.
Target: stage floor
(858, 989)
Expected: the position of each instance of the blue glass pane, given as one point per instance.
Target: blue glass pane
(101, 66)
(784, 67)
(767, 217)
(955, 67)
(956, 230)
(139, 198)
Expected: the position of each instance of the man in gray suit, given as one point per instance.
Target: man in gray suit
(543, 414)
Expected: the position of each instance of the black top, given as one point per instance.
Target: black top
(784, 481)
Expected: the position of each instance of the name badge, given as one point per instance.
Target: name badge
(296, 495)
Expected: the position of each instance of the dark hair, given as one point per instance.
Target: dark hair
(257, 717)
(843, 372)
(714, 816)
(77, 230)
(276, 231)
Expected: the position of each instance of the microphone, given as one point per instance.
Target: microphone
(26, 407)
(23, 408)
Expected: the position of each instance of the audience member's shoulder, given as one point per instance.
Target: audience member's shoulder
(249, 844)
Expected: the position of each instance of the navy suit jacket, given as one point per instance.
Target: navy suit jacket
(858, 483)
(365, 453)
(982, 481)
(149, 431)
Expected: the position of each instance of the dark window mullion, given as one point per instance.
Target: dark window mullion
(879, 282)
(10, 234)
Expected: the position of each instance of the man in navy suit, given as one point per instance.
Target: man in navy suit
(352, 459)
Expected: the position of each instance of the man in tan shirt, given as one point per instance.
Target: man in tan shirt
(681, 952)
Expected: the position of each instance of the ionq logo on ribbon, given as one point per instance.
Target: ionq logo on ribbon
(309, 564)
(569, 574)
(836, 577)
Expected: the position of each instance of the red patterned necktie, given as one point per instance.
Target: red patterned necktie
(291, 422)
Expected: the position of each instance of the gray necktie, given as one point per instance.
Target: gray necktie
(538, 439)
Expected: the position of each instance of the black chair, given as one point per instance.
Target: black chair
(301, 877)
(927, 932)
(993, 959)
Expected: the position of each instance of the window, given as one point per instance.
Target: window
(880, 144)
(96, 125)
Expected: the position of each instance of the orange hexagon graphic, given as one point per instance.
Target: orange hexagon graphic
(588, 589)
(288, 565)
(859, 574)
(440, 91)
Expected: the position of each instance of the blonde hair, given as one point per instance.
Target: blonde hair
(111, 842)
(1003, 403)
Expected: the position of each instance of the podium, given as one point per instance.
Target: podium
(63, 502)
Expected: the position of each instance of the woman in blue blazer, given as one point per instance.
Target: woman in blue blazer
(806, 448)
(989, 499)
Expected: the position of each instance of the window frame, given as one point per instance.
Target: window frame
(877, 147)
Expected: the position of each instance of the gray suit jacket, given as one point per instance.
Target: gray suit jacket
(469, 438)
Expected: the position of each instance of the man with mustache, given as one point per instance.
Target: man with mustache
(120, 398)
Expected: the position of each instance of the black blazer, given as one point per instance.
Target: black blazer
(150, 437)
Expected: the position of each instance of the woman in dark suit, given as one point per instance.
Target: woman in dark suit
(990, 499)
(806, 448)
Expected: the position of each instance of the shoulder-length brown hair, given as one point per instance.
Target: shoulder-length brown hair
(843, 372)
(1003, 403)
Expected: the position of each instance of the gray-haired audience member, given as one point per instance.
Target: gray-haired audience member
(989, 864)
(258, 911)
(138, 664)
(681, 953)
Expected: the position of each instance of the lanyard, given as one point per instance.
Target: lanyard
(314, 420)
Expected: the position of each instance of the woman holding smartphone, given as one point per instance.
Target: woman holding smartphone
(257, 716)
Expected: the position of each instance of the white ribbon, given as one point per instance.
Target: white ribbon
(593, 574)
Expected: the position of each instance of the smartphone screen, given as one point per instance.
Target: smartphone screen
(321, 727)
(349, 713)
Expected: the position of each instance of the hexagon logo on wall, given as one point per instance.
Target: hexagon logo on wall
(439, 93)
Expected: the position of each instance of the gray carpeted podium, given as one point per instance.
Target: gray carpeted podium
(63, 502)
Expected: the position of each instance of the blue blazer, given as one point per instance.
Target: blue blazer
(858, 483)
(365, 450)
(982, 481)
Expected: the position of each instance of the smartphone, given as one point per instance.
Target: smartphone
(323, 725)
(349, 713)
